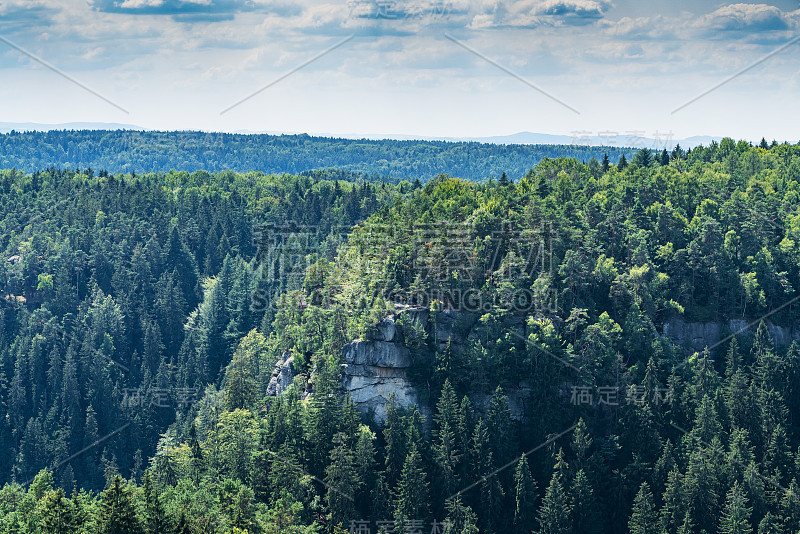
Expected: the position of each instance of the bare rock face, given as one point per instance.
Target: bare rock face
(282, 376)
(697, 336)
(386, 330)
(375, 370)
(377, 354)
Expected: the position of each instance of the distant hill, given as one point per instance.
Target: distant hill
(530, 138)
(6, 127)
(151, 151)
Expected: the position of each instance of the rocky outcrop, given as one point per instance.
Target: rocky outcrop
(697, 336)
(282, 376)
(375, 370)
(386, 330)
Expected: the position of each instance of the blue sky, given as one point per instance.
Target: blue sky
(506, 67)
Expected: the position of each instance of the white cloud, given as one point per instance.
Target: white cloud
(533, 13)
(137, 4)
(744, 18)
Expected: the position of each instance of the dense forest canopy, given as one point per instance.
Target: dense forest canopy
(143, 315)
(143, 152)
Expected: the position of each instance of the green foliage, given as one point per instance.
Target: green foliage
(126, 151)
(158, 274)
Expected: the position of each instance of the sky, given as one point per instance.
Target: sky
(454, 68)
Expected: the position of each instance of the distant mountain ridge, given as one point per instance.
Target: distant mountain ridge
(622, 139)
(385, 159)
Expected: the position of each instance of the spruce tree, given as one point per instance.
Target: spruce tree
(341, 481)
(501, 427)
(240, 383)
(155, 519)
(555, 512)
(365, 469)
(586, 516)
(57, 514)
(770, 525)
(393, 435)
(643, 517)
(526, 494)
(460, 518)
(117, 511)
(412, 501)
(790, 507)
(736, 515)
(672, 512)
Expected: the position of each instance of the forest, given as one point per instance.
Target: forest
(142, 152)
(143, 314)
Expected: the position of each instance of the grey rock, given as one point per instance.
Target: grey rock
(386, 330)
(376, 354)
(372, 394)
(373, 371)
(282, 376)
(696, 336)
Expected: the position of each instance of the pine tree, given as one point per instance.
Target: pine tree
(555, 512)
(447, 459)
(117, 512)
(460, 518)
(623, 162)
(464, 432)
(672, 512)
(177, 258)
(581, 444)
(393, 435)
(700, 488)
(365, 469)
(341, 480)
(733, 358)
(707, 425)
(736, 515)
(57, 514)
(778, 457)
(489, 502)
(605, 165)
(501, 427)
(643, 518)
(790, 507)
(412, 490)
(770, 525)
(240, 383)
(585, 510)
(155, 519)
(447, 408)
(196, 463)
(526, 494)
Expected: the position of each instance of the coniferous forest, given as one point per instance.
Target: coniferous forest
(608, 346)
(384, 159)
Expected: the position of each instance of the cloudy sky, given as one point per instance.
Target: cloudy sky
(424, 67)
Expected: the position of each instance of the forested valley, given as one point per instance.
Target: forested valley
(144, 318)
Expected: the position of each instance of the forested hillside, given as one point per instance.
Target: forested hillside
(143, 315)
(142, 152)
